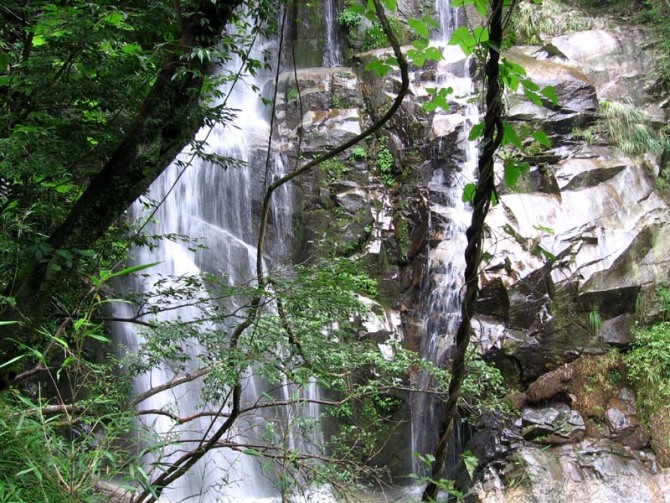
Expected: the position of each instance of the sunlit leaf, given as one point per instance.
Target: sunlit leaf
(419, 27)
(542, 138)
(510, 137)
(379, 67)
(476, 132)
(469, 193)
(549, 92)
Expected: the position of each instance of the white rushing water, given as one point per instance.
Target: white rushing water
(215, 206)
(332, 54)
(443, 282)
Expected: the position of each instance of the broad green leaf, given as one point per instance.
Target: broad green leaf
(420, 43)
(419, 26)
(433, 53)
(470, 461)
(417, 57)
(512, 67)
(476, 132)
(131, 49)
(379, 67)
(529, 85)
(542, 138)
(549, 92)
(481, 34)
(512, 174)
(463, 38)
(438, 100)
(533, 96)
(469, 193)
(4, 61)
(430, 21)
(391, 5)
(39, 40)
(482, 7)
(115, 19)
(510, 137)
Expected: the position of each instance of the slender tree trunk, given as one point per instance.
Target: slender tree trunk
(491, 140)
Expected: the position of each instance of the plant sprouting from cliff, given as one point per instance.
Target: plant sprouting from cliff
(629, 127)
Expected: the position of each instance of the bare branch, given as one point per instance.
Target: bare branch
(169, 385)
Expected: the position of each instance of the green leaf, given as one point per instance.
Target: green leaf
(419, 27)
(420, 43)
(470, 461)
(469, 193)
(391, 5)
(379, 67)
(530, 85)
(39, 40)
(542, 138)
(549, 92)
(430, 22)
(476, 132)
(7, 322)
(4, 61)
(512, 174)
(482, 7)
(433, 53)
(13, 360)
(510, 137)
(115, 19)
(463, 38)
(131, 49)
(533, 96)
(128, 270)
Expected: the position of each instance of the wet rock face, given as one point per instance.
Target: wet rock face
(597, 471)
(552, 425)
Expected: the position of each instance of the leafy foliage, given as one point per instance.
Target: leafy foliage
(648, 364)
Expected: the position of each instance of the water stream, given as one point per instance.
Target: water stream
(215, 206)
(443, 282)
(332, 54)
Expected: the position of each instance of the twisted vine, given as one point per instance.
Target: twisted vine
(492, 138)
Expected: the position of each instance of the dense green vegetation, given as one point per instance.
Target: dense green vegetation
(82, 88)
(649, 369)
(97, 98)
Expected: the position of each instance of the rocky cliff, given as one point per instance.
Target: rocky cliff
(582, 239)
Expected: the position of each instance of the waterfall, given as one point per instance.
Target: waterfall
(443, 282)
(214, 205)
(332, 54)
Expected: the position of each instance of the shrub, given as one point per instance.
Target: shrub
(649, 369)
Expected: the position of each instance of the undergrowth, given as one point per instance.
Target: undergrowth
(532, 23)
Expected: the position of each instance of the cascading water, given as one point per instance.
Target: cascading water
(449, 219)
(332, 54)
(214, 205)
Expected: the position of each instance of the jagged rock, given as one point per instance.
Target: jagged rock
(577, 99)
(554, 425)
(551, 384)
(590, 471)
(352, 200)
(617, 331)
(620, 418)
